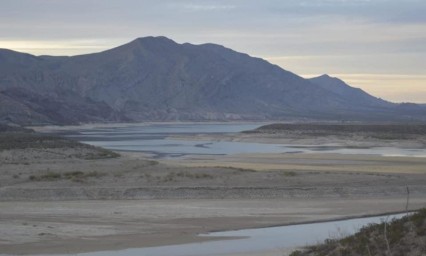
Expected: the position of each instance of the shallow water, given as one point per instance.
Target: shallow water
(154, 139)
(255, 240)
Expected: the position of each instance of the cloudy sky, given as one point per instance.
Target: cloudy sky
(378, 45)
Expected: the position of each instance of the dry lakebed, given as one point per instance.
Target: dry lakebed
(58, 196)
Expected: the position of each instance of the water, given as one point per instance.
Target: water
(155, 139)
(255, 240)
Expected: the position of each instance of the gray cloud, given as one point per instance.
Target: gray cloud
(203, 7)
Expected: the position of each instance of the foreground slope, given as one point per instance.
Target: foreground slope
(406, 236)
(154, 78)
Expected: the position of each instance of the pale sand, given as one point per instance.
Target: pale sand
(78, 226)
(309, 162)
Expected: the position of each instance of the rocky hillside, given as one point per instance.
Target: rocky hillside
(404, 237)
(154, 78)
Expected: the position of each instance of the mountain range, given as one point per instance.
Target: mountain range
(157, 79)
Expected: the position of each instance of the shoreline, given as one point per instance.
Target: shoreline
(52, 128)
(282, 213)
(362, 216)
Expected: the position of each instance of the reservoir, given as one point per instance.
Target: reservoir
(157, 140)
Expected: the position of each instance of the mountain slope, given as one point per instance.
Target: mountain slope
(348, 93)
(154, 78)
(368, 103)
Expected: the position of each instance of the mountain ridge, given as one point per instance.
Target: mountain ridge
(157, 79)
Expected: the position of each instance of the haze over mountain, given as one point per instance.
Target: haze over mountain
(156, 79)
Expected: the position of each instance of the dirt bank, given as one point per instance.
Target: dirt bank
(77, 226)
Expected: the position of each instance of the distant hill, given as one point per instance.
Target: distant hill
(156, 79)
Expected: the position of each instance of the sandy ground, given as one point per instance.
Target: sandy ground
(310, 162)
(133, 201)
(46, 177)
(303, 140)
(198, 200)
(76, 226)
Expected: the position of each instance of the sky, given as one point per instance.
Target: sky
(376, 45)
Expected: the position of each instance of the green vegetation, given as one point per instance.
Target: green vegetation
(401, 237)
(173, 176)
(100, 153)
(288, 173)
(145, 164)
(296, 253)
(45, 177)
(151, 163)
(192, 175)
(237, 169)
(76, 176)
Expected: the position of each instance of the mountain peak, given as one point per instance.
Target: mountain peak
(326, 78)
(323, 76)
(347, 92)
(153, 39)
(328, 81)
(158, 43)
